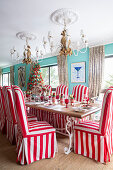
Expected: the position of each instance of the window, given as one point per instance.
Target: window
(50, 75)
(6, 79)
(108, 72)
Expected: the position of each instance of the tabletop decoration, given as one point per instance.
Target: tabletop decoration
(61, 99)
(71, 99)
(66, 102)
(53, 97)
(57, 97)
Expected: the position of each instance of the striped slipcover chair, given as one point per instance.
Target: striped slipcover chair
(49, 88)
(59, 120)
(36, 140)
(94, 139)
(11, 122)
(2, 113)
(62, 89)
(79, 92)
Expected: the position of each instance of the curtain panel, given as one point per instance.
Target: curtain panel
(12, 75)
(96, 65)
(62, 70)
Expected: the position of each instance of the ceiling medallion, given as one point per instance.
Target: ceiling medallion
(64, 16)
(26, 36)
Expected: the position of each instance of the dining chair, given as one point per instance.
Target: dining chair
(79, 92)
(11, 122)
(49, 88)
(36, 140)
(95, 139)
(62, 89)
(2, 113)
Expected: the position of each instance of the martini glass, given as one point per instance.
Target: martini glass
(77, 69)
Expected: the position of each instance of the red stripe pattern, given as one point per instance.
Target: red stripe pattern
(2, 111)
(95, 140)
(79, 92)
(11, 122)
(35, 140)
(62, 89)
(49, 88)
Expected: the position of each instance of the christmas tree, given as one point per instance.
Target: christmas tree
(35, 81)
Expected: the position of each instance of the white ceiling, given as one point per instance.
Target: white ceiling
(95, 18)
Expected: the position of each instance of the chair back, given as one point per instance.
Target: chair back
(79, 92)
(22, 122)
(62, 89)
(2, 111)
(11, 103)
(49, 88)
(106, 119)
(9, 116)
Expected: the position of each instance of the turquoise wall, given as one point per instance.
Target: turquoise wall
(109, 49)
(53, 60)
(6, 70)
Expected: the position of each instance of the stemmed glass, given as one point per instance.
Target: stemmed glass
(49, 100)
(57, 97)
(66, 102)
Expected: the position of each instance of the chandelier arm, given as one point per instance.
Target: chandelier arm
(74, 53)
(83, 51)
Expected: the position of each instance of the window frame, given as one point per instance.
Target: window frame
(108, 56)
(53, 89)
(8, 78)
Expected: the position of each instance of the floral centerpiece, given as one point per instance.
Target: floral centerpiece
(71, 99)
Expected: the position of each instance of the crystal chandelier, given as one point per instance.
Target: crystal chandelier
(27, 56)
(65, 17)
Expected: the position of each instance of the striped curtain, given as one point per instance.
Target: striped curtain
(12, 75)
(96, 64)
(62, 70)
(1, 77)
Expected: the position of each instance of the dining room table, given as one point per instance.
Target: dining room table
(77, 110)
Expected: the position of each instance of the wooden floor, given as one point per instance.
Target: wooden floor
(60, 162)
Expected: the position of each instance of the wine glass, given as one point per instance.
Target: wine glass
(57, 97)
(49, 100)
(66, 102)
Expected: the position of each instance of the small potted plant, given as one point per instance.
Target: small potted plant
(53, 98)
(61, 99)
(71, 99)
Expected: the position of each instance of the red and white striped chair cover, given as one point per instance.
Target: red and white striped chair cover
(11, 122)
(62, 89)
(95, 140)
(59, 120)
(79, 92)
(10, 116)
(49, 88)
(36, 140)
(56, 120)
(2, 113)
